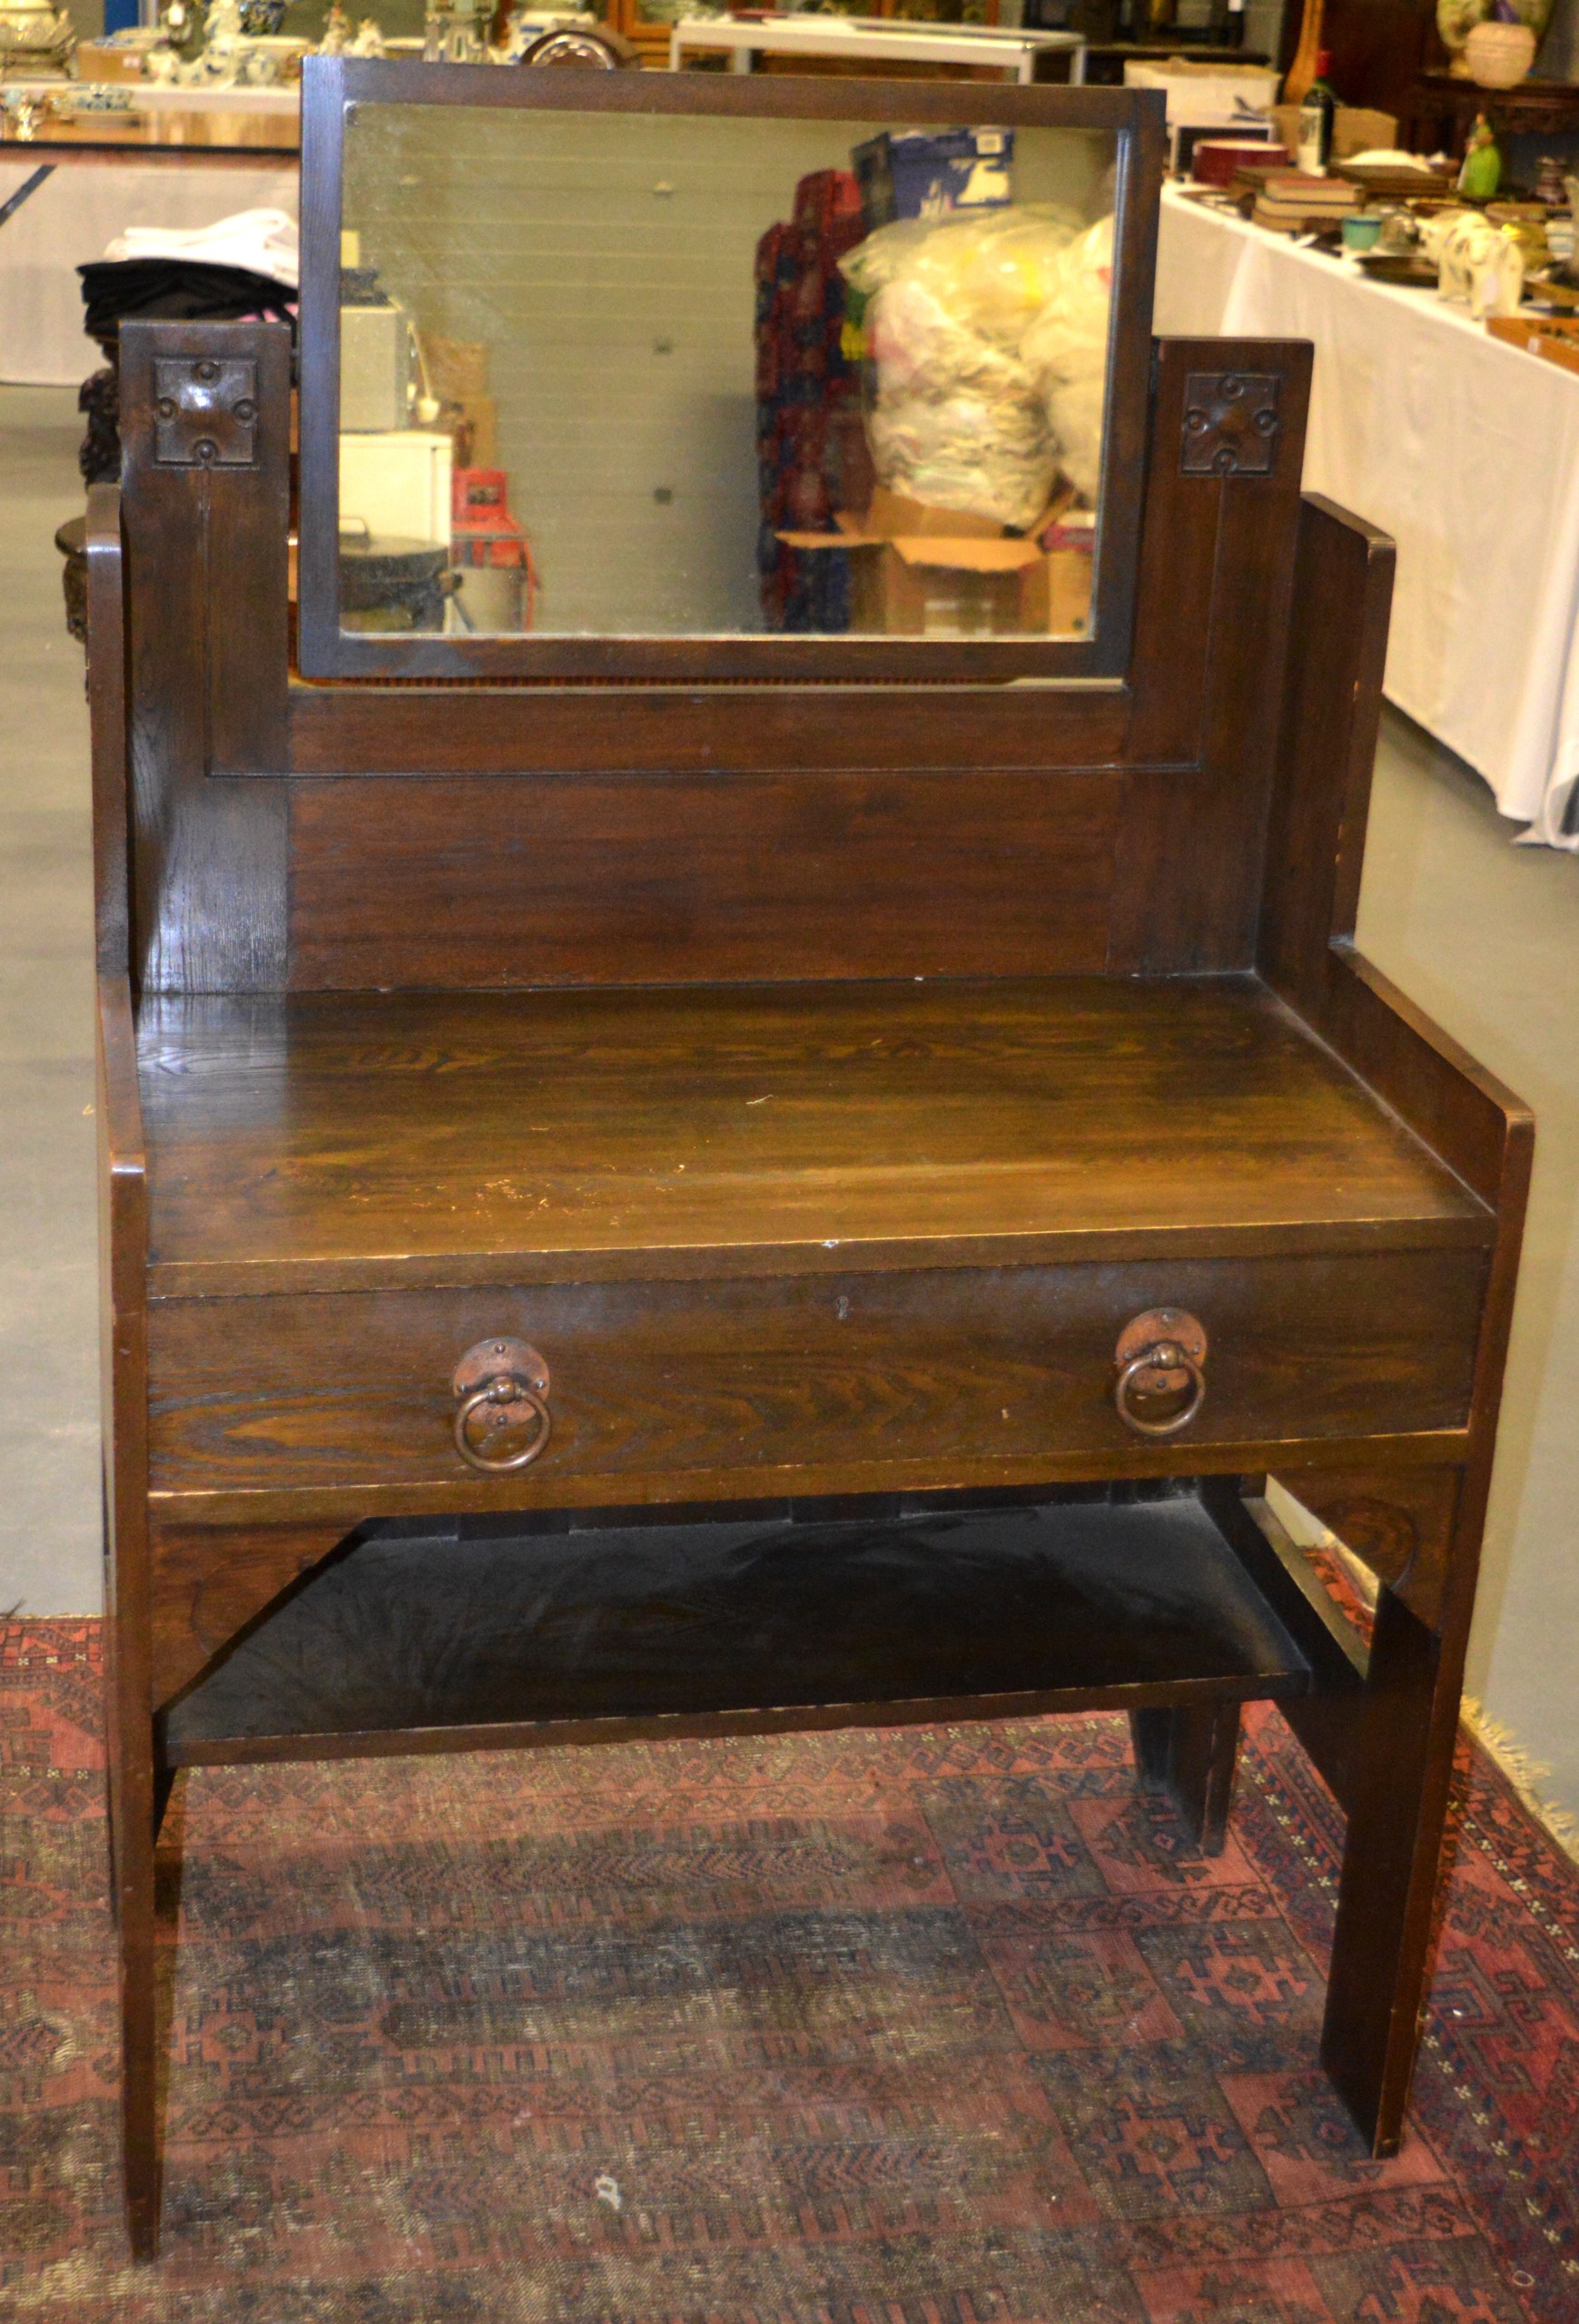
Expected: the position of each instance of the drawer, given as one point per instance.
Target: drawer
(860, 1382)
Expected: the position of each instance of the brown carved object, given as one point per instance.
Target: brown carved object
(835, 1098)
(1231, 422)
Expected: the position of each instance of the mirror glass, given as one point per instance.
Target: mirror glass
(670, 376)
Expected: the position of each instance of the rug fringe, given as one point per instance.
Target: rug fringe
(1523, 1775)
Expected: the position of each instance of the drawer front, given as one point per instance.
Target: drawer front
(809, 1383)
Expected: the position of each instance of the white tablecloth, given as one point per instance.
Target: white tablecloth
(1464, 449)
(70, 217)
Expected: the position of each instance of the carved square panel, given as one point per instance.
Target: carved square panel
(1230, 423)
(205, 411)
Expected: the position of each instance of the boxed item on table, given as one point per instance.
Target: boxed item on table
(1216, 161)
(923, 571)
(1356, 129)
(1292, 201)
(928, 173)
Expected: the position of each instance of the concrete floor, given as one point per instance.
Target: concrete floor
(1484, 934)
(49, 1417)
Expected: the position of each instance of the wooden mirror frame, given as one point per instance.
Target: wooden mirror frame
(1134, 118)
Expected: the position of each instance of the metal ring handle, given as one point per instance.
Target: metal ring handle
(503, 1389)
(1165, 1356)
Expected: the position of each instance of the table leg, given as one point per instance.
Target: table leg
(135, 1797)
(1191, 1754)
(1381, 1945)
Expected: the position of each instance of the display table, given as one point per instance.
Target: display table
(877, 39)
(182, 160)
(1466, 450)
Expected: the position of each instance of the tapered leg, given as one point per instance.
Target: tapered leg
(1381, 1946)
(1192, 1754)
(132, 1792)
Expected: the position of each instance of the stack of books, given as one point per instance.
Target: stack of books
(1291, 202)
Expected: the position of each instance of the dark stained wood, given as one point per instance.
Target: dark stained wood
(798, 1718)
(1325, 1720)
(881, 1375)
(1021, 1608)
(1403, 1532)
(123, 1395)
(1403, 1750)
(206, 1584)
(1168, 668)
(206, 616)
(788, 1212)
(337, 1506)
(626, 879)
(1191, 1751)
(1461, 1111)
(1135, 118)
(335, 1141)
(107, 696)
(1189, 871)
(1332, 710)
(339, 729)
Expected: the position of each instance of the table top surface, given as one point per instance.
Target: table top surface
(875, 35)
(161, 130)
(1342, 271)
(357, 1137)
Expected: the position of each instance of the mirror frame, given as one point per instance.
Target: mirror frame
(331, 85)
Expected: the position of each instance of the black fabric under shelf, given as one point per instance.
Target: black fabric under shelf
(1074, 1604)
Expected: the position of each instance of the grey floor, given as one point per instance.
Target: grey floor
(1484, 934)
(49, 1422)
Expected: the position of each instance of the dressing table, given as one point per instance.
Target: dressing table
(663, 1178)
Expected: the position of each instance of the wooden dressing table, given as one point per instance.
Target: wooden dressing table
(654, 1197)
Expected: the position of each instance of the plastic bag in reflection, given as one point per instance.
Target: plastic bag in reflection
(1066, 349)
(957, 417)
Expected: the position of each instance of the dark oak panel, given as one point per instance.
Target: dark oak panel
(342, 730)
(1187, 878)
(327, 1141)
(667, 1623)
(536, 880)
(206, 650)
(655, 1383)
(207, 1583)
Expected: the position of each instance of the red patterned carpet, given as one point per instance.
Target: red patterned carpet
(948, 2026)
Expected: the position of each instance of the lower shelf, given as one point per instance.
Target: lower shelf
(402, 1643)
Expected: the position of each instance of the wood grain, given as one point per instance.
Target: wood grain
(206, 1584)
(206, 611)
(123, 1408)
(536, 881)
(1331, 716)
(1188, 875)
(655, 1385)
(331, 1141)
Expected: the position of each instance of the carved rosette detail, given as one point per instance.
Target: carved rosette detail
(1230, 423)
(205, 411)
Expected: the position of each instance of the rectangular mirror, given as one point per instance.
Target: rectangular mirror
(685, 375)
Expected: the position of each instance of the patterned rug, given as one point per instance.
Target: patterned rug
(947, 2026)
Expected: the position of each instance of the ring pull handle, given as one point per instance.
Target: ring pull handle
(502, 1387)
(1160, 1356)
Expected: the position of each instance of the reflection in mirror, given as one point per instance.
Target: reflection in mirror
(658, 376)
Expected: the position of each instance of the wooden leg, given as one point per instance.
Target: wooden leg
(1192, 1754)
(1401, 1769)
(132, 1788)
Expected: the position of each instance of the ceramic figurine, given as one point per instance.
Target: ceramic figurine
(1481, 174)
(336, 34)
(369, 39)
(1478, 265)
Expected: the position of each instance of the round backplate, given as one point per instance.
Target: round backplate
(1157, 1325)
(495, 1359)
